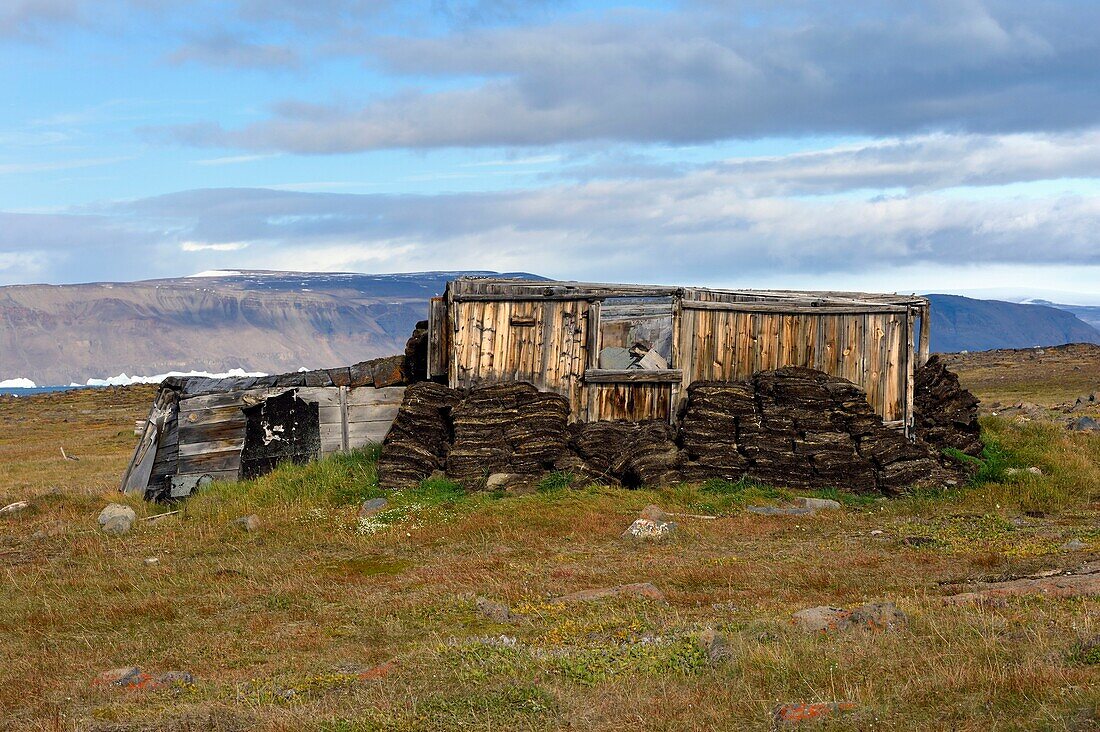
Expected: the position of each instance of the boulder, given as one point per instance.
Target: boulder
(654, 513)
(116, 519)
(1085, 424)
(818, 504)
(645, 530)
(714, 644)
(116, 510)
(878, 616)
(372, 506)
(248, 523)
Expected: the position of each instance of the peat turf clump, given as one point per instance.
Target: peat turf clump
(946, 414)
(789, 427)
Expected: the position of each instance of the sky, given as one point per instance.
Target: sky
(947, 145)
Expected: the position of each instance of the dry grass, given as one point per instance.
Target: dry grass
(277, 625)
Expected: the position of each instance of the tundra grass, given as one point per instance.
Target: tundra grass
(320, 620)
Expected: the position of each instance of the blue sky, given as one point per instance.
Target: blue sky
(882, 145)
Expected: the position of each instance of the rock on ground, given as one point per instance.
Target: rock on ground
(116, 519)
(495, 611)
(1082, 582)
(878, 616)
(372, 506)
(116, 510)
(132, 677)
(14, 507)
(1085, 424)
(793, 715)
(248, 523)
(641, 590)
(714, 644)
(645, 530)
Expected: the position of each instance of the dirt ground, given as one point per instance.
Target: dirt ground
(319, 620)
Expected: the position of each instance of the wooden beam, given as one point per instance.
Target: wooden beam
(791, 308)
(632, 376)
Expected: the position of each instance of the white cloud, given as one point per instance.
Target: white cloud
(197, 246)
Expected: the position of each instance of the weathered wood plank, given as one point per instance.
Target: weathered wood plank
(213, 446)
(792, 308)
(212, 415)
(191, 434)
(229, 460)
(632, 376)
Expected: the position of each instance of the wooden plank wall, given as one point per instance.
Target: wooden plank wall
(540, 342)
(493, 338)
(211, 429)
(868, 349)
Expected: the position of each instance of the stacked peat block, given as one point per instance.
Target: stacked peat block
(417, 443)
(720, 415)
(798, 428)
(791, 427)
(507, 428)
(630, 453)
(946, 414)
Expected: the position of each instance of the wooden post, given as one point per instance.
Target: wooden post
(910, 373)
(345, 442)
(925, 329)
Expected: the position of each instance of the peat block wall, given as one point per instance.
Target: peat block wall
(790, 427)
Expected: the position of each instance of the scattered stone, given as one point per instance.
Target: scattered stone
(132, 677)
(14, 508)
(654, 513)
(1034, 470)
(1083, 582)
(714, 644)
(372, 506)
(647, 530)
(819, 504)
(116, 510)
(117, 525)
(495, 611)
(150, 561)
(641, 590)
(877, 532)
(248, 523)
(1085, 424)
(792, 715)
(1074, 545)
(876, 616)
(512, 483)
(50, 530)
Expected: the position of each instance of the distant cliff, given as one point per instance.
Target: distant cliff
(281, 321)
(261, 321)
(964, 324)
